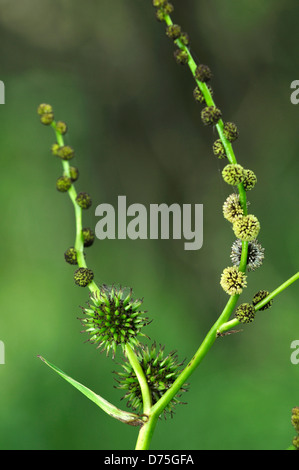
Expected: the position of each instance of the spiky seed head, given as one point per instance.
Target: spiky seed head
(88, 236)
(63, 184)
(295, 418)
(173, 31)
(261, 295)
(219, 150)
(203, 73)
(74, 173)
(245, 313)
(65, 152)
(250, 180)
(232, 208)
(47, 118)
(233, 281)
(160, 371)
(83, 277)
(255, 257)
(84, 200)
(230, 131)
(233, 174)
(61, 127)
(113, 318)
(199, 96)
(181, 57)
(70, 256)
(210, 115)
(247, 227)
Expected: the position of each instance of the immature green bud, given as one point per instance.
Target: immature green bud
(250, 180)
(255, 255)
(295, 418)
(184, 38)
(245, 313)
(232, 208)
(233, 281)
(173, 31)
(63, 184)
(230, 131)
(203, 73)
(219, 150)
(88, 236)
(54, 149)
(70, 255)
(233, 174)
(199, 96)
(160, 372)
(181, 57)
(65, 152)
(164, 8)
(210, 115)
(246, 228)
(84, 200)
(113, 318)
(159, 3)
(261, 295)
(83, 277)
(74, 173)
(44, 109)
(296, 442)
(61, 127)
(47, 118)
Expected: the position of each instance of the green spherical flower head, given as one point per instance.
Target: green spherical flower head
(173, 31)
(233, 281)
(203, 73)
(83, 277)
(255, 257)
(210, 115)
(261, 295)
(65, 152)
(61, 127)
(88, 236)
(70, 256)
(84, 200)
(233, 174)
(232, 208)
(184, 38)
(250, 180)
(165, 8)
(74, 173)
(245, 313)
(246, 228)
(47, 118)
(63, 184)
(159, 3)
(295, 418)
(230, 131)
(296, 442)
(181, 57)
(44, 108)
(199, 96)
(160, 372)
(114, 318)
(219, 150)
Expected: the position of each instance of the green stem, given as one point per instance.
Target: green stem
(146, 395)
(277, 291)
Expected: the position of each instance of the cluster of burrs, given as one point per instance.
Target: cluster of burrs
(112, 317)
(246, 227)
(295, 423)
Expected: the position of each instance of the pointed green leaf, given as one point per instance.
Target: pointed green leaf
(111, 410)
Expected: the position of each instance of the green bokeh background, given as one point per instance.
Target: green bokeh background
(108, 69)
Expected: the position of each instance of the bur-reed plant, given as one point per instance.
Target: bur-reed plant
(151, 379)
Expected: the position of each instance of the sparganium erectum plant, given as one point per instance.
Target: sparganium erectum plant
(153, 380)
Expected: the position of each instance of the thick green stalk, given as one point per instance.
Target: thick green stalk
(146, 395)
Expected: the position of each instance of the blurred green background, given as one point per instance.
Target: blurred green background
(108, 70)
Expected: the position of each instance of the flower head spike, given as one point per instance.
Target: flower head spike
(245, 313)
(230, 131)
(232, 208)
(210, 115)
(199, 96)
(233, 174)
(295, 418)
(160, 372)
(203, 73)
(233, 281)
(261, 295)
(114, 318)
(250, 180)
(219, 150)
(246, 228)
(255, 255)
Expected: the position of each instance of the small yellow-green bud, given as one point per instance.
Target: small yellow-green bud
(88, 236)
(233, 281)
(181, 57)
(84, 200)
(74, 173)
(246, 228)
(233, 174)
(261, 295)
(159, 3)
(245, 313)
(63, 184)
(70, 255)
(210, 115)
(203, 73)
(232, 208)
(250, 180)
(173, 31)
(184, 38)
(295, 418)
(44, 108)
(65, 152)
(83, 277)
(296, 442)
(230, 131)
(199, 96)
(47, 118)
(61, 127)
(54, 149)
(219, 150)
